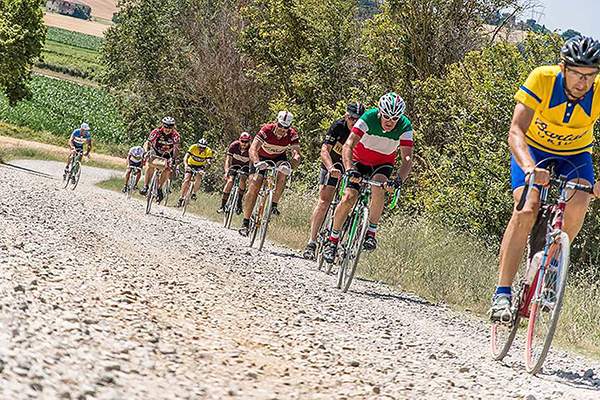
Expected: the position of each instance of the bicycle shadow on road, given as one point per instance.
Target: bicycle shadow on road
(30, 171)
(396, 297)
(287, 255)
(572, 379)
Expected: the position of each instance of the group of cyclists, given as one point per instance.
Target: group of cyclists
(556, 110)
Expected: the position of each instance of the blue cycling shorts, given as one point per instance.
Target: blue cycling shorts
(582, 162)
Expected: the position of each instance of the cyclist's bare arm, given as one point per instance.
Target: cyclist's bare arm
(254, 148)
(406, 156)
(326, 157)
(146, 146)
(521, 121)
(347, 150)
(296, 157)
(71, 145)
(228, 161)
(176, 153)
(89, 147)
(185, 160)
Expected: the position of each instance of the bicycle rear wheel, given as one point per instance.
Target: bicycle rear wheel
(167, 190)
(323, 237)
(502, 335)
(230, 208)
(266, 217)
(354, 249)
(76, 175)
(547, 303)
(151, 192)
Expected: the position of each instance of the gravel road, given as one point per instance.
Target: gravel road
(100, 301)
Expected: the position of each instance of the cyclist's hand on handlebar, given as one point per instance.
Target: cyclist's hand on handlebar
(392, 185)
(261, 165)
(541, 176)
(354, 176)
(335, 173)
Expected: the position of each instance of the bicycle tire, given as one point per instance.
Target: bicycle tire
(255, 219)
(230, 208)
(343, 247)
(534, 364)
(323, 237)
(167, 190)
(76, 174)
(266, 217)
(67, 178)
(359, 240)
(151, 192)
(187, 198)
(502, 335)
(130, 184)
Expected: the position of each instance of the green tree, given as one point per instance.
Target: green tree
(22, 35)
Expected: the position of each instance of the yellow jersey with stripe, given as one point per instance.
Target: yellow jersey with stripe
(197, 157)
(559, 126)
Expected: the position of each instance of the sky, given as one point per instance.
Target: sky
(581, 15)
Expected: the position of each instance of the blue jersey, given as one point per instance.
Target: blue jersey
(79, 138)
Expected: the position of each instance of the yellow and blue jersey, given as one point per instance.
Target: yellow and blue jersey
(559, 126)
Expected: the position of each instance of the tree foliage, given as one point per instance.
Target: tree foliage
(22, 35)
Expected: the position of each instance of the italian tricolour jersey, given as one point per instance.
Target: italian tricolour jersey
(377, 147)
(559, 126)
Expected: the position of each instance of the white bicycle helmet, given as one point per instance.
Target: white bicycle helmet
(85, 127)
(284, 118)
(168, 122)
(202, 142)
(391, 105)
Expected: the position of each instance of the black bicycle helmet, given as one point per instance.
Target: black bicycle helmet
(355, 109)
(581, 52)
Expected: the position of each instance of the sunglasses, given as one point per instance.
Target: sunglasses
(244, 141)
(282, 127)
(579, 76)
(393, 119)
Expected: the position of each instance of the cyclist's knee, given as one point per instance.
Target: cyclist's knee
(526, 217)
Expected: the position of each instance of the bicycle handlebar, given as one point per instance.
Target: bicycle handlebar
(372, 182)
(553, 181)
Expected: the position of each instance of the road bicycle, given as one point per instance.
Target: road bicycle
(261, 214)
(354, 231)
(541, 291)
(234, 195)
(190, 189)
(72, 177)
(327, 226)
(160, 164)
(135, 171)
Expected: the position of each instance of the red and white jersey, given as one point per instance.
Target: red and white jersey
(239, 156)
(272, 145)
(163, 142)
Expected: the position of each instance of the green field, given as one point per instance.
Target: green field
(71, 53)
(60, 106)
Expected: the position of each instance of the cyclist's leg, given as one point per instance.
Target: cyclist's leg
(255, 184)
(342, 210)
(186, 182)
(578, 201)
(382, 174)
(138, 175)
(198, 180)
(127, 175)
(163, 177)
(227, 189)
(148, 176)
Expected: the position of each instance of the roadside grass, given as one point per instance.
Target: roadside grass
(20, 153)
(438, 264)
(42, 136)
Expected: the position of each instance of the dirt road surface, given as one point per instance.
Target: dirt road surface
(100, 301)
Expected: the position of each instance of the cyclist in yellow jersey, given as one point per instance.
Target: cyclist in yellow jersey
(197, 159)
(556, 109)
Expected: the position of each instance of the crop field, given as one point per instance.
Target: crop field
(75, 39)
(60, 106)
(71, 53)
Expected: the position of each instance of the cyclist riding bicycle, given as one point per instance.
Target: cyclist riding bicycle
(270, 144)
(556, 109)
(238, 158)
(197, 159)
(331, 170)
(135, 158)
(164, 141)
(79, 137)
(370, 151)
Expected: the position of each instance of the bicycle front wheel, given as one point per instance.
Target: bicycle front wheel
(187, 198)
(255, 219)
(152, 189)
(76, 175)
(230, 208)
(266, 217)
(167, 190)
(502, 334)
(547, 303)
(323, 237)
(354, 249)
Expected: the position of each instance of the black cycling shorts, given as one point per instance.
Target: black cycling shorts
(135, 164)
(195, 168)
(368, 171)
